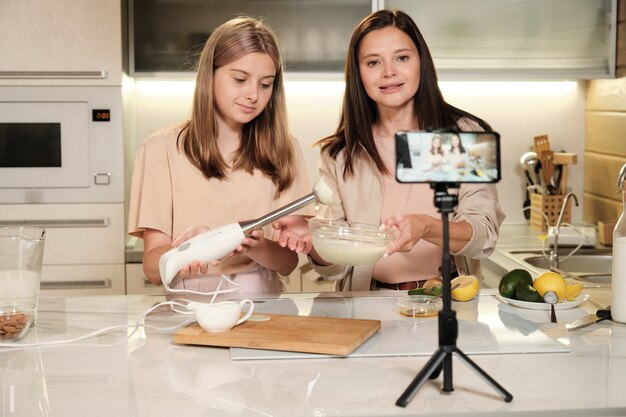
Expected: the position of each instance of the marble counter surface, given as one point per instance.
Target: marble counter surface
(143, 373)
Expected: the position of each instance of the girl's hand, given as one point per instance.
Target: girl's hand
(188, 234)
(412, 228)
(254, 240)
(251, 242)
(195, 268)
(293, 232)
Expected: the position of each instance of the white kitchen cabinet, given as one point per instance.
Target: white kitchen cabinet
(61, 42)
(517, 39)
(84, 245)
(312, 282)
(137, 283)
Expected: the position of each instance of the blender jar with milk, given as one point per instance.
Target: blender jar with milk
(21, 255)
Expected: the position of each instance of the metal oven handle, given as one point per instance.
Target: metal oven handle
(86, 284)
(100, 74)
(58, 223)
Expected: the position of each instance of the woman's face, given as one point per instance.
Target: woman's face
(390, 67)
(243, 88)
(454, 140)
(436, 142)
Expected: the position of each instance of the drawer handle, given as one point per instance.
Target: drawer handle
(148, 284)
(51, 223)
(102, 74)
(62, 285)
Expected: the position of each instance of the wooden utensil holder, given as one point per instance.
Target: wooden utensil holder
(550, 206)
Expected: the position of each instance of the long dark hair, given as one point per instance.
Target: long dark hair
(359, 111)
(265, 141)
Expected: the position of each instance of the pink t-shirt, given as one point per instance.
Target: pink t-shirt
(170, 194)
(424, 259)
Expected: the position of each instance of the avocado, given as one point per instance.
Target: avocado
(525, 292)
(509, 282)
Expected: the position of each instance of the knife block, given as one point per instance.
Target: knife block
(550, 206)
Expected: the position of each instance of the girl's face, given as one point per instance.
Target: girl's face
(390, 67)
(455, 141)
(436, 143)
(243, 88)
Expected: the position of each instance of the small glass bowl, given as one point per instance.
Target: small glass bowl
(349, 243)
(419, 306)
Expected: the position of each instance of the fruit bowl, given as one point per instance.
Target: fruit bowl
(349, 243)
(563, 305)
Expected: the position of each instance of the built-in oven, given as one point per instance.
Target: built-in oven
(61, 167)
(61, 145)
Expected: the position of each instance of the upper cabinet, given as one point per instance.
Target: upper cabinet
(61, 42)
(167, 35)
(469, 39)
(517, 39)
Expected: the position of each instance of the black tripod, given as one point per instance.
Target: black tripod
(448, 326)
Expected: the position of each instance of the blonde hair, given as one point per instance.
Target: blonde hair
(265, 142)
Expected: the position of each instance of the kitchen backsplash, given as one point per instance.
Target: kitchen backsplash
(517, 110)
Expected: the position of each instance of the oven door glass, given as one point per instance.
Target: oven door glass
(44, 145)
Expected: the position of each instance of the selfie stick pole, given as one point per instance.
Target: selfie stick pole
(448, 326)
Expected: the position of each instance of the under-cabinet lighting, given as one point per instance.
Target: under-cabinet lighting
(165, 87)
(314, 88)
(508, 88)
(326, 88)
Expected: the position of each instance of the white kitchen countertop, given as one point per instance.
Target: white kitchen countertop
(146, 374)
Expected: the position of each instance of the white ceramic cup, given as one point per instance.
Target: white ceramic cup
(222, 316)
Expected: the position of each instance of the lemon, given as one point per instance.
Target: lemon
(466, 288)
(550, 281)
(573, 289)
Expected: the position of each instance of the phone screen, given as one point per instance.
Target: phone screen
(436, 157)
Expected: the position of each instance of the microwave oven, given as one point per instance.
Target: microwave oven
(61, 144)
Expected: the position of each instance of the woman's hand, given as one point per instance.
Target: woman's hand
(293, 232)
(412, 228)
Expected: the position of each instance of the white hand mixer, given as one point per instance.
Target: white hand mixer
(217, 243)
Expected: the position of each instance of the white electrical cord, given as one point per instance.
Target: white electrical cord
(140, 322)
(545, 241)
(214, 293)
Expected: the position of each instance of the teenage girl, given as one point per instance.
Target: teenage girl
(232, 160)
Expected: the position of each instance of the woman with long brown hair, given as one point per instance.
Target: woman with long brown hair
(391, 85)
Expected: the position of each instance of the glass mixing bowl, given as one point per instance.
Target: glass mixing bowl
(349, 243)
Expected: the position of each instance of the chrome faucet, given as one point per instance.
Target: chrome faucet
(554, 254)
(621, 178)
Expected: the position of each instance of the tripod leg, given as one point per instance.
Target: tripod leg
(472, 365)
(436, 372)
(447, 373)
(435, 361)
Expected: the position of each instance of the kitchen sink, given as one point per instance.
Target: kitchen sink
(591, 264)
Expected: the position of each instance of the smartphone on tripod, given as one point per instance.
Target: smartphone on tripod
(447, 157)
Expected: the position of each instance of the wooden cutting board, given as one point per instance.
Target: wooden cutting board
(327, 335)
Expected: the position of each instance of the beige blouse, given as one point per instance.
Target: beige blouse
(423, 260)
(362, 200)
(170, 194)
